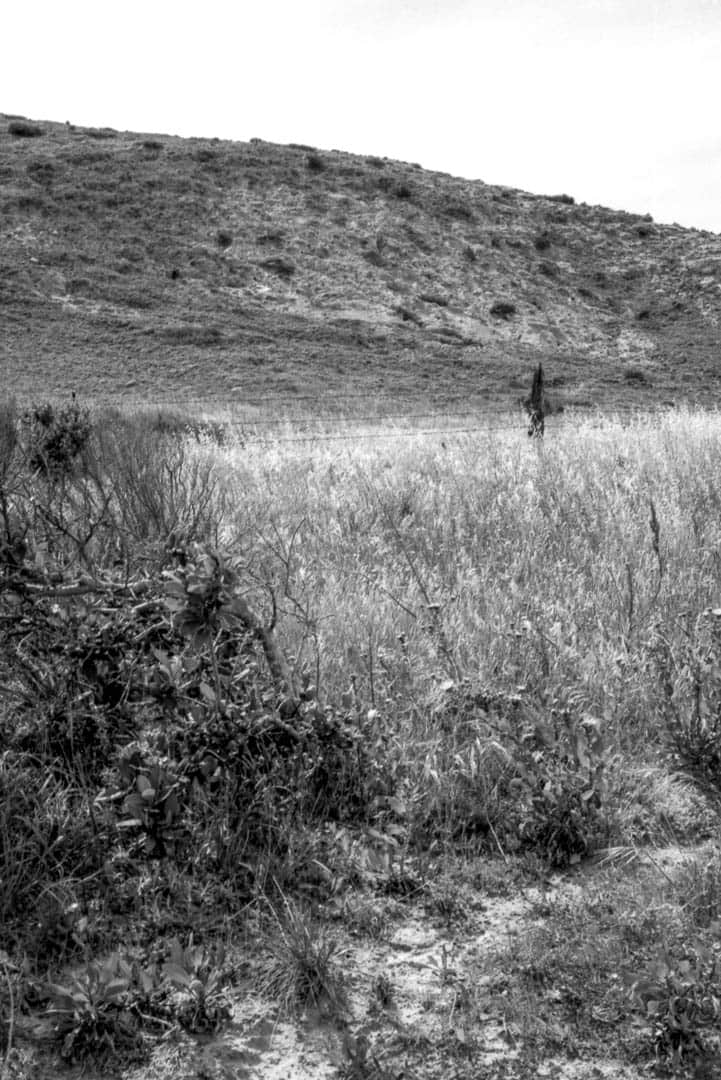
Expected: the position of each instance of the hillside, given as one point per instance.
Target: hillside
(162, 268)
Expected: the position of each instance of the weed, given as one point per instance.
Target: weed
(200, 1003)
(365, 917)
(681, 999)
(91, 1011)
(382, 993)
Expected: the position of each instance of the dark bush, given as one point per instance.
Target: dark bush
(56, 437)
(567, 200)
(503, 309)
(315, 163)
(542, 242)
(223, 238)
(403, 191)
(23, 129)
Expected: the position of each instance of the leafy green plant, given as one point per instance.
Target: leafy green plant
(91, 1011)
(681, 1000)
(153, 803)
(523, 776)
(200, 1003)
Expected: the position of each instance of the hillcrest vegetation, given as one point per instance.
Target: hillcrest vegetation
(402, 752)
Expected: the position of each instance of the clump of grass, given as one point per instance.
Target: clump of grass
(303, 966)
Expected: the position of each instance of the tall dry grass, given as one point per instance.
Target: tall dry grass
(565, 569)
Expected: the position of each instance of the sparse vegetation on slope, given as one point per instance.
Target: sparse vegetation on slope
(166, 269)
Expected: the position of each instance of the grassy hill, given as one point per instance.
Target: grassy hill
(162, 268)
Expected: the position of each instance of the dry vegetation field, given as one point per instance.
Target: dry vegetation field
(374, 756)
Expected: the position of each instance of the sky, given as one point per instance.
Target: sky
(616, 102)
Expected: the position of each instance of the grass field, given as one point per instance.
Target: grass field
(313, 694)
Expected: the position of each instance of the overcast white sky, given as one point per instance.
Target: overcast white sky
(613, 101)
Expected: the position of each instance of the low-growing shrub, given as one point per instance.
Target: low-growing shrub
(502, 309)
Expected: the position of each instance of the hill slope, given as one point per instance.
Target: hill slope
(166, 268)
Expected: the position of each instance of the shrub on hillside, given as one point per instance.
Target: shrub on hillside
(503, 309)
(23, 129)
(457, 210)
(315, 163)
